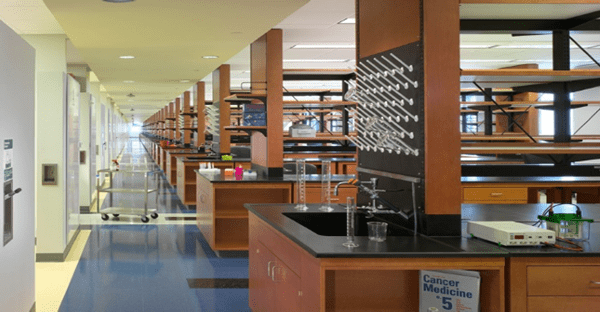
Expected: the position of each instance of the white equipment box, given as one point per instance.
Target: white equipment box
(302, 131)
(510, 233)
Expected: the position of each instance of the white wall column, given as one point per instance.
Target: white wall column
(51, 68)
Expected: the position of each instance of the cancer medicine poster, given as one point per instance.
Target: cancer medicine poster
(449, 290)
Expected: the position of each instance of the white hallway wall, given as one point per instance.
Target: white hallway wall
(51, 66)
(17, 100)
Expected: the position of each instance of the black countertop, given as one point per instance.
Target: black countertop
(211, 159)
(221, 178)
(423, 246)
(528, 214)
(334, 159)
(569, 179)
(187, 150)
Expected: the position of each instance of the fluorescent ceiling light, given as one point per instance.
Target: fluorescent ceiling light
(349, 20)
(477, 46)
(536, 46)
(118, 1)
(126, 57)
(184, 81)
(324, 46)
(210, 57)
(485, 61)
(316, 61)
(128, 81)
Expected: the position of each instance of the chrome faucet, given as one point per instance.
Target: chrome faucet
(335, 189)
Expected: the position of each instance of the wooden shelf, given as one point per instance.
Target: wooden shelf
(520, 103)
(318, 104)
(324, 138)
(248, 129)
(546, 149)
(244, 97)
(502, 78)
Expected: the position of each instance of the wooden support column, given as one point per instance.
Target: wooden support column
(175, 122)
(162, 123)
(424, 33)
(187, 123)
(266, 64)
(170, 124)
(221, 85)
(200, 105)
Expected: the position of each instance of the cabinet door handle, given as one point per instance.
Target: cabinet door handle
(496, 194)
(595, 283)
(274, 274)
(269, 268)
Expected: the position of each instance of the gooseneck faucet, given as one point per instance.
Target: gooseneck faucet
(374, 196)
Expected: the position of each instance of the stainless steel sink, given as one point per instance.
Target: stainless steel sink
(334, 223)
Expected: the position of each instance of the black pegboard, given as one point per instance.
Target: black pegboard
(409, 165)
(399, 192)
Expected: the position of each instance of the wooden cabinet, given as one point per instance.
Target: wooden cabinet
(554, 284)
(313, 193)
(186, 177)
(171, 171)
(220, 211)
(494, 195)
(274, 286)
(306, 283)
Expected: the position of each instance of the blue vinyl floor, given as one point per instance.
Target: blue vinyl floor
(148, 267)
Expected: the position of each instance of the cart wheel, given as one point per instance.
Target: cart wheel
(104, 217)
(115, 215)
(154, 215)
(145, 219)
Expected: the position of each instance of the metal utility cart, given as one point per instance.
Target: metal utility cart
(130, 182)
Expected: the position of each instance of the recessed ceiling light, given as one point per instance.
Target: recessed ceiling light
(130, 100)
(349, 20)
(477, 46)
(118, 1)
(128, 81)
(126, 57)
(324, 46)
(184, 81)
(316, 61)
(210, 57)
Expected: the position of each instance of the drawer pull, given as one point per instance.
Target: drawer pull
(496, 194)
(595, 283)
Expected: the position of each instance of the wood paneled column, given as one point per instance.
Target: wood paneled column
(424, 33)
(187, 119)
(266, 63)
(221, 85)
(200, 105)
(175, 121)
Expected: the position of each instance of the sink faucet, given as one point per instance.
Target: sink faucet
(335, 190)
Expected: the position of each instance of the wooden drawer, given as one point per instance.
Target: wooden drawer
(477, 195)
(563, 280)
(560, 304)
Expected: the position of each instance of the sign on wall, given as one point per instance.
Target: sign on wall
(8, 190)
